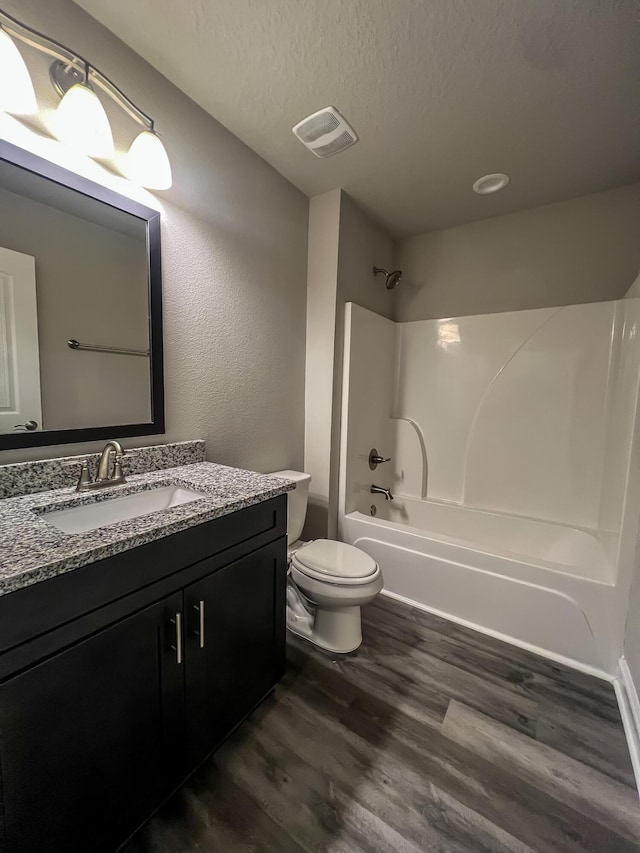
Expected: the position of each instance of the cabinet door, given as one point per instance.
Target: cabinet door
(88, 736)
(235, 625)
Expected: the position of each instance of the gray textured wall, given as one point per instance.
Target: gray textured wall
(583, 250)
(234, 238)
(363, 245)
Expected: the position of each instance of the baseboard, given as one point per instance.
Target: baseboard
(505, 638)
(627, 695)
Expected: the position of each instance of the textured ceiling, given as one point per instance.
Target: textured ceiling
(439, 91)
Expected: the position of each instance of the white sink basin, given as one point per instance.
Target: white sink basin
(80, 519)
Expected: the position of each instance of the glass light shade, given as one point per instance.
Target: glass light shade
(81, 122)
(16, 89)
(147, 163)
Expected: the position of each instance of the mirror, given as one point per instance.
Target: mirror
(80, 308)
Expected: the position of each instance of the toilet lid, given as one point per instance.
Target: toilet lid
(335, 560)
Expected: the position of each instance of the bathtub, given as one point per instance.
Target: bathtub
(546, 587)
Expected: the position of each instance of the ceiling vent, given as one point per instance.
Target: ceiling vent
(325, 133)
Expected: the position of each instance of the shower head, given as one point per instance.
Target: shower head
(391, 278)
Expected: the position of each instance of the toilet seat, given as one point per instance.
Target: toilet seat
(335, 562)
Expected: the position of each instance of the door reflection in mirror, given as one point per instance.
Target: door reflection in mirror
(20, 402)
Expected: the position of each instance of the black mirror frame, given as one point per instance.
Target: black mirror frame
(25, 160)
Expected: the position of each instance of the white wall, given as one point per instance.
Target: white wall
(344, 246)
(367, 402)
(583, 250)
(322, 276)
(234, 240)
(632, 631)
(631, 556)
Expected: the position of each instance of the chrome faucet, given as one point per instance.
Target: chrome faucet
(103, 465)
(103, 478)
(379, 490)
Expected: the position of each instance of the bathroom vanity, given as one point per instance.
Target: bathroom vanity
(129, 652)
(141, 619)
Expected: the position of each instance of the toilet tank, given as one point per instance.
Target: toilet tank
(296, 502)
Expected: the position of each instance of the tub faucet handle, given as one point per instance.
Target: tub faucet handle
(375, 459)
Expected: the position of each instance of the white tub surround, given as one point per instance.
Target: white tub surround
(540, 605)
(511, 437)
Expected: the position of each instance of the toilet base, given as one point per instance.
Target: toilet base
(337, 630)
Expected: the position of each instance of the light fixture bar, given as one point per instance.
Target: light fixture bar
(55, 49)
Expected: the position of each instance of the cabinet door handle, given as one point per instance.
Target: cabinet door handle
(178, 646)
(200, 632)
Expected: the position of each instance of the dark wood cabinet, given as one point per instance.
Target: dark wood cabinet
(232, 657)
(102, 717)
(84, 733)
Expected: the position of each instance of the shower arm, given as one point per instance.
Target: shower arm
(391, 278)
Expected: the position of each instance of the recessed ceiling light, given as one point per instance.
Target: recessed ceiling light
(491, 183)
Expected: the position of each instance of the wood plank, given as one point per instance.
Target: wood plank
(402, 691)
(295, 794)
(493, 660)
(450, 681)
(500, 795)
(212, 813)
(583, 789)
(466, 641)
(598, 743)
(409, 808)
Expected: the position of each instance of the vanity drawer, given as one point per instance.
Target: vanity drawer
(41, 607)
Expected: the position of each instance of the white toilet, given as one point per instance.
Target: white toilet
(328, 581)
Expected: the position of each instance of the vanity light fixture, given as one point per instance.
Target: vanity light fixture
(492, 183)
(80, 119)
(16, 89)
(147, 163)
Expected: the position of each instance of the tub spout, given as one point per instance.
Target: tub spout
(379, 490)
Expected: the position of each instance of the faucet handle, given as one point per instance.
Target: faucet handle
(81, 460)
(128, 454)
(117, 464)
(84, 478)
(375, 459)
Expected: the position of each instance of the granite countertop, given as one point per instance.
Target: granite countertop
(32, 550)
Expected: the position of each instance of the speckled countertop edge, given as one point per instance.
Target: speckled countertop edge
(32, 550)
